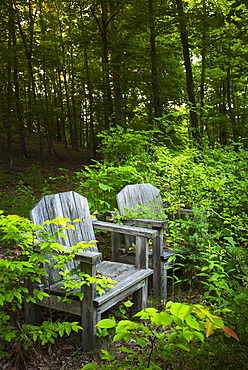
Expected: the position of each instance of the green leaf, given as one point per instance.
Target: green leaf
(188, 335)
(172, 337)
(106, 323)
(90, 366)
(128, 304)
(192, 322)
(162, 318)
(182, 346)
(125, 350)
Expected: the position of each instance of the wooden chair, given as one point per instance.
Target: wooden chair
(147, 195)
(130, 279)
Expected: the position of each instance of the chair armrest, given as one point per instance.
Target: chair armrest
(186, 211)
(147, 222)
(125, 229)
(89, 257)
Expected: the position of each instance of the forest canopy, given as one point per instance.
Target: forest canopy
(72, 68)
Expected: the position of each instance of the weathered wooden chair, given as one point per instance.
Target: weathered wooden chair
(147, 195)
(130, 279)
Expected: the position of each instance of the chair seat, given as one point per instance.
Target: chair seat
(128, 279)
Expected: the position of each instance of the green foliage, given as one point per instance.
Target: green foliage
(122, 146)
(212, 179)
(20, 199)
(101, 182)
(224, 276)
(157, 335)
(22, 258)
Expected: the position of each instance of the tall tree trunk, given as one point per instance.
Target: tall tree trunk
(189, 75)
(108, 104)
(231, 107)
(203, 70)
(28, 53)
(17, 95)
(65, 74)
(155, 87)
(119, 117)
(91, 142)
(223, 112)
(61, 105)
(9, 90)
(73, 101)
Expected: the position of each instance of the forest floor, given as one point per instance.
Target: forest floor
(58, 157)
(66, 353)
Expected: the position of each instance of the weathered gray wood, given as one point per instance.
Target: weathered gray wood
(159, 273)
(125, 229)
(147, 195)
(32, 311)
(129, 279)
(115, 245)
(139, 194)
(141, 253)
(146, 222)
(88, 311)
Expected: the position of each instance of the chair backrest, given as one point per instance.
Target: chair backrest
(68, 204)
(139, 194)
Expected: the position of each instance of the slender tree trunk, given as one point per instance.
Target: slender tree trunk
(223, 112)
(61, 104)
(90, 99)
(65, 74)
(155, 86)
(203, 70)
(17, 95)
(108, 104)
(73, 101)
(119, 117)
(231, 107)
(189, 75)
(9, 91)
(28, 53)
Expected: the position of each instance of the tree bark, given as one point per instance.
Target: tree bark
(155, 86)
(108, 104)
(189, 75)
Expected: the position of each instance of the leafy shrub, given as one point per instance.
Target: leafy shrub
(224, 276)
(212, 179)
(121, 146)
(157, 335)
(101, 182)
(22, 259)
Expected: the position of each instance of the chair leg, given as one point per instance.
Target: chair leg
(140, 297)
(89, 313)
(31, 310)
(159, 273)
(89, 320)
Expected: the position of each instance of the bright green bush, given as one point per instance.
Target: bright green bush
(121, 146)
(157, 335)
(212, 179)
(22, 258)
(101, 182)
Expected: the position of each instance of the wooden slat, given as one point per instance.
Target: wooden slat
(146, 222)
(146, 195)
(125, 229)
(139, 194)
